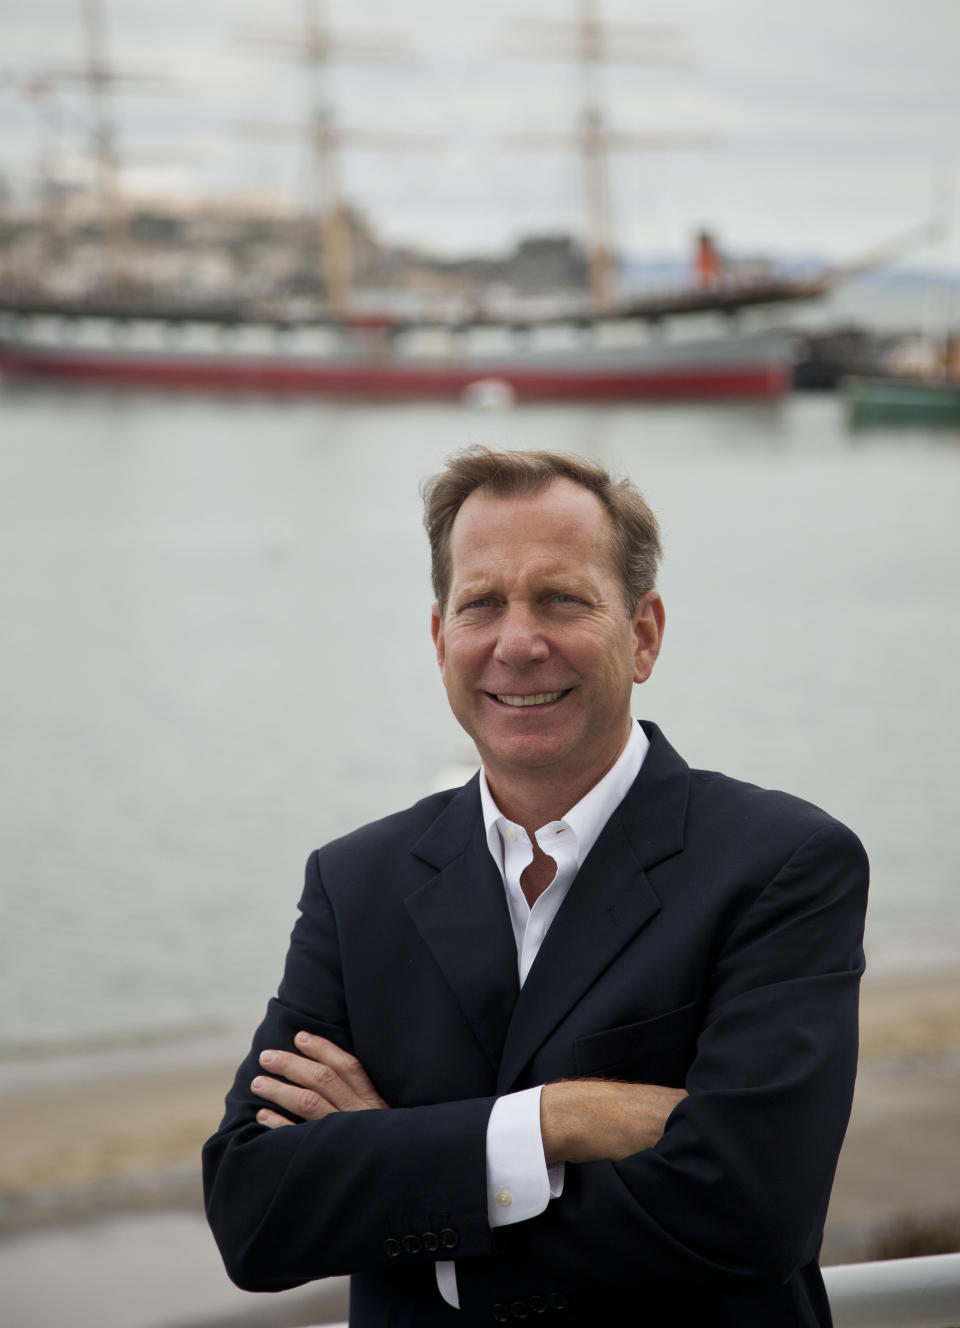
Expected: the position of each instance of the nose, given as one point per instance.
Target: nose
(520, 638)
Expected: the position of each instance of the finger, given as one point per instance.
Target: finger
(345, 1065)
(271, 1118)
(302, 1102)
(316, 1078)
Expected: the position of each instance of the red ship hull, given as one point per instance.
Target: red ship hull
(687, 373)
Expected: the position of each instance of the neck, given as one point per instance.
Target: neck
(534, 798)
(532, 808)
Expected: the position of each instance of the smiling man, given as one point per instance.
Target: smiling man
(539, 644)
(577, 1041)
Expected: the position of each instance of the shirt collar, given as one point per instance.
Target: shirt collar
(588, 817)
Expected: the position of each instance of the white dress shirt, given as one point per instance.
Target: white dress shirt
(519, 1182)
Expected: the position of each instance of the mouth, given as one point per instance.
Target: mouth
(529, 699)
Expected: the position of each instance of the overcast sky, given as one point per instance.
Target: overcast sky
(837, 122)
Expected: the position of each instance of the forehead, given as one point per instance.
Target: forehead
(563, 521)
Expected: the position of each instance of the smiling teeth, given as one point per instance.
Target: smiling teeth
(539, 698)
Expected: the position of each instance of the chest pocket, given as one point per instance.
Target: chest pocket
(656, 1050)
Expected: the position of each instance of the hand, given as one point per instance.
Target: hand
(325, 1078)
(592, 1120)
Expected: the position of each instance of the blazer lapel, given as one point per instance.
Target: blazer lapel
(610, 901)
(461, 914)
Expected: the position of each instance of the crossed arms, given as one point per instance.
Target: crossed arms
(581, 1120)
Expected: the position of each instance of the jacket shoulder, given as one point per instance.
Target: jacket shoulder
(718, 800)
(389, 835)
(718, 810)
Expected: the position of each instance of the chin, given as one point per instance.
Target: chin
(525, 756)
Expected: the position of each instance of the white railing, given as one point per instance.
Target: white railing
(896, 1293)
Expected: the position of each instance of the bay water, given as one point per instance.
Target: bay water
(215, 656)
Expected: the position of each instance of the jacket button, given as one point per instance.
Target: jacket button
(412, 1244)
(391, 1247)
(501, 1313)
(538, 1304)
(431, 1241)
(557, 1300)
(449, 1238)
(519, 1309)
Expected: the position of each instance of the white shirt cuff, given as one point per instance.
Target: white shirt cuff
(519, 1182)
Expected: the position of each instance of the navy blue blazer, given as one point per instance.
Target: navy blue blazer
(711, 940)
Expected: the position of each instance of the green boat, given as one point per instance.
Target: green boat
(880, 401)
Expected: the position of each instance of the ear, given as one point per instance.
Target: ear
(648, 622)
(436, 631)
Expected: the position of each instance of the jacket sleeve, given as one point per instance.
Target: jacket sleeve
(350, 1191)
(736, 1190)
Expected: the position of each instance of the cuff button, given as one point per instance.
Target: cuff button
(391, 1247)
(449, 1238)
(520, 1309)
(538, 1304)
(412, 1244)
(500, 1313)
(431, 1241)
(557, 1300)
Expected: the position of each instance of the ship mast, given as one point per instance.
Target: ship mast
(100, 78)
(106, 161)
(591, 43)
(595, 152)
(335, 241)
(318, 47)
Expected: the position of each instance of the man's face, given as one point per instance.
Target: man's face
(537, 651)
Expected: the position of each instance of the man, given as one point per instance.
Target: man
(575, 1043)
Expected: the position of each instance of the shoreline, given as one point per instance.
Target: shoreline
(125, 1137)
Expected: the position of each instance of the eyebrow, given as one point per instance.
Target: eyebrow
(549, 584)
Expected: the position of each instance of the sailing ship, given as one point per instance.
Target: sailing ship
(606, 349)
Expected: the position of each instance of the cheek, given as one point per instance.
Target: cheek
(456, 663)
(609, 651)
(621, 664)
